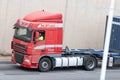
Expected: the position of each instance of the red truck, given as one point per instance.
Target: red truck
(30, 51)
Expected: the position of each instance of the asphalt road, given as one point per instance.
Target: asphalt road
(9, 71)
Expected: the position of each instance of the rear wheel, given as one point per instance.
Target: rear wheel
(90, 64)
(45, 64)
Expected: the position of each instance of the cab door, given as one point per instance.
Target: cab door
(39, 43)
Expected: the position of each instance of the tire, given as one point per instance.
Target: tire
(45, 64)
(90, 64)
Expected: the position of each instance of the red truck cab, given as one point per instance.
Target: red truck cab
(27, 48)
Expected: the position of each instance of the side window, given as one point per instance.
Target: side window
(39, 35)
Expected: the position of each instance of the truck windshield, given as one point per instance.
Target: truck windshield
(23, 33)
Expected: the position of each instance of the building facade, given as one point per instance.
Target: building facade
(84, 20)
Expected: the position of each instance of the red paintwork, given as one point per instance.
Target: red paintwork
(43, 16)
(40, 20)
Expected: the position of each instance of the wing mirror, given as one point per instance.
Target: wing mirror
(36, 37)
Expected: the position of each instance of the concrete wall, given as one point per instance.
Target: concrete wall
(84, 20)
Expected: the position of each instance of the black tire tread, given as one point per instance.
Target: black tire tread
(49, 63)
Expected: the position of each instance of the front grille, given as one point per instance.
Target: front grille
(19, 58)
(19, 47)
(23, 46)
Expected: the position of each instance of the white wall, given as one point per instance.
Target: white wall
(84, 20)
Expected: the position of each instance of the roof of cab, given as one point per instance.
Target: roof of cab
(43, 16)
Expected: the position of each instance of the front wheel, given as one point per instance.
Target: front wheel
(45, 64)
(90, 64)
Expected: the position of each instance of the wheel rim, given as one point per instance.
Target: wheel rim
(45, 65)
(91, 64)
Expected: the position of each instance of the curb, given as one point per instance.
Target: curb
(5, 58)
(5, 54)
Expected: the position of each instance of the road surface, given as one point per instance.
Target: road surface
(9, 71)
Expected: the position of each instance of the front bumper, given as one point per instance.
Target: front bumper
(26, 62)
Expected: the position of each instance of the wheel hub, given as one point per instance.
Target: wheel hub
(91, 64)
(45, 65)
